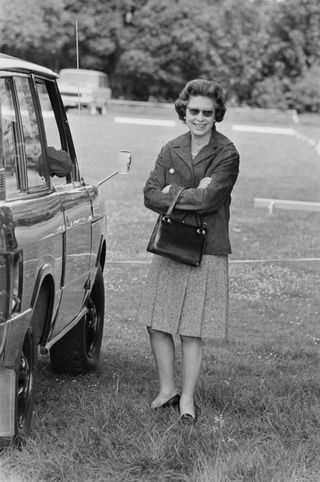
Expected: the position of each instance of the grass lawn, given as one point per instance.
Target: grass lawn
(259, 392)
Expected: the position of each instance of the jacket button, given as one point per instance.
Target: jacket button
(171, 170)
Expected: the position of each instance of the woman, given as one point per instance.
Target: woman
(178, 298)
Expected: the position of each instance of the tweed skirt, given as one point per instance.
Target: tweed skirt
(185, 300)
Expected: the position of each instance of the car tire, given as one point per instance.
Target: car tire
(26, 375)
(26, 372)
(79, 350)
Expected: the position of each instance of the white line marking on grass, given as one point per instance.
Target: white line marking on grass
(232, 261)
(265, 129)
(285, 260)
(310, 141)
(286, 131)
(144, 122)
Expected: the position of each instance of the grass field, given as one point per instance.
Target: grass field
(259, 393)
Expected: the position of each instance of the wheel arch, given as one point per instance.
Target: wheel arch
(79, 349)
(44, 276)
(101, 258)
(44, 282)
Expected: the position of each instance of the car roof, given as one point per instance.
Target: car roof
(83, 71)
(7, 62)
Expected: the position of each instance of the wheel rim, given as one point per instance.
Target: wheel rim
(25, 378)
(92, 329)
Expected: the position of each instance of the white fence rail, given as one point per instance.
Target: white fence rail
(272, 204)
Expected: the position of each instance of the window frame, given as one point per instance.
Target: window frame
(17, 137)
(63, 128)
(41, 188)
(19, 140)
(61, 120)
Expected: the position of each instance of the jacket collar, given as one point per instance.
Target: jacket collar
(182, 148)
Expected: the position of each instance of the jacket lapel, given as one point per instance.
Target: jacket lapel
(206, 151)
(182, 149)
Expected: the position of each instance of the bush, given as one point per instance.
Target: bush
(271, 92)
(306, 91)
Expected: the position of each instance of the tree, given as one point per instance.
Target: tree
(172, 42)
(294, 37)
(166, 46)
(53, 41)
(263, 52)
(239, 37)
(19, 37)
(305, 92)
(98, 24)
(290, 55)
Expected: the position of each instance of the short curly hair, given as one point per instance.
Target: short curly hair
(205, 88)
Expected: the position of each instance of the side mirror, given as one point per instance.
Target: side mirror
(124, 162)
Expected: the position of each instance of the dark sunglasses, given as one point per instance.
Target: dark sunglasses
(206, 112)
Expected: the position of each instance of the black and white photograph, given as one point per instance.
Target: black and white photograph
(159, 241)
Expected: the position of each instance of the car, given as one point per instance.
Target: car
(85, 88)
(52, 243)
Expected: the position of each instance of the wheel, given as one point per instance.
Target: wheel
(26, 372)
(79, 350)
(25, 384)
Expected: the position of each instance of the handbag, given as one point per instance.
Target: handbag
(176, 239)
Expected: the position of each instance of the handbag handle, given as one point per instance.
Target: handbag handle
(174, 202)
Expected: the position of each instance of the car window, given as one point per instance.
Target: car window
(55, 153)
(50, 125)
(9, 152)
(31, 135)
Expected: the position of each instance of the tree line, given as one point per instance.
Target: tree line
(265, 53)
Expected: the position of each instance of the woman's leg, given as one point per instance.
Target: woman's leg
(164, 353)
(191, 348)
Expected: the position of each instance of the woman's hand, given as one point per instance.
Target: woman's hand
(166, 189)
(204, 183)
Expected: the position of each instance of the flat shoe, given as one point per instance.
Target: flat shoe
(188, 419)
(172, 402)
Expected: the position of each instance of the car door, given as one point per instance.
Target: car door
(36, 211)
(76, 207)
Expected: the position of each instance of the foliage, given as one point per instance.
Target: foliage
(19, 36)
(306, 91)
(98, 23)
(291, 55)
(166, 45)
(271, 92)
(263, 52)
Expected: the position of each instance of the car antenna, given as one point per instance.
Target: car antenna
(78, 66)
(78, 87)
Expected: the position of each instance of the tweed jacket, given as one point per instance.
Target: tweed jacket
(219, 160)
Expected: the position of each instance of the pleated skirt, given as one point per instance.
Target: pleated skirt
(186, 300)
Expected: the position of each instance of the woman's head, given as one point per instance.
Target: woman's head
(203, 88)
